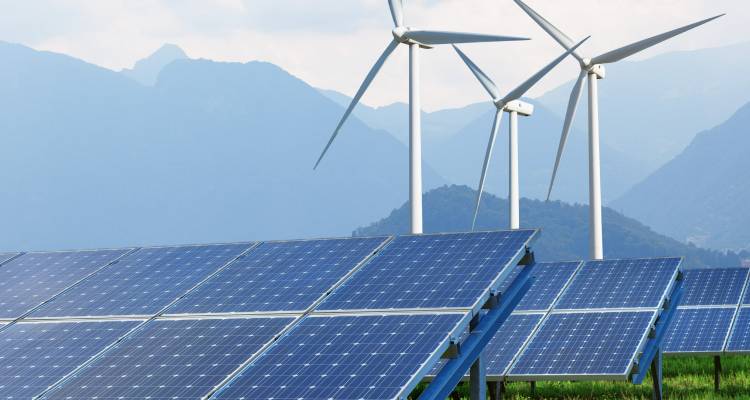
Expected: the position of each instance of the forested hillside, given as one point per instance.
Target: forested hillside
(565, 228)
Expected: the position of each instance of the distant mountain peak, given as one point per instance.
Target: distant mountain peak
(146, 70)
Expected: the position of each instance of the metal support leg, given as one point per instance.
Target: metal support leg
(501, 389)
(478, 378)
(455, 395)
(717, 369)
(492, 388)
(656, 374)
(533, 387)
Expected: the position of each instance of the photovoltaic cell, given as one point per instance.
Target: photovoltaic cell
(740, 337)
(280, 276)
(33, 278)
(172, 359)
(5, 257)
(550, 280)
(144, 282)
(583, 344)
(432, 271)
(714, 287)
(509, 340)
(634, 283)
(36, 355)
(698, 330)
(346, 357)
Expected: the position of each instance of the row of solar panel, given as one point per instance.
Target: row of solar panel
(588, 323)
(711, 319)
(377, 355)
(370, 356)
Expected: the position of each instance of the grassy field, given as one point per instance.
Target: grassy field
(683, 377)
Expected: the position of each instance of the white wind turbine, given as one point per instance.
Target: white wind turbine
(512, 106)
(595, 70)
(415, 39)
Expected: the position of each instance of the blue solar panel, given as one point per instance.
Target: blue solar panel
(509, 340)
(739, 340)
(635, 283)
(550, 280)
(33, 278)
(5, 257)
(280, 276)
(714, 287)
(433, 271)
(583, 344)
(172, 359)
(694, 330)
(144, 282)
(347, 357)
(36, 355)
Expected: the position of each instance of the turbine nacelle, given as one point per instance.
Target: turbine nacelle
(523, 109)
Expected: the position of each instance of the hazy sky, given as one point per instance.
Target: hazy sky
(332, 44)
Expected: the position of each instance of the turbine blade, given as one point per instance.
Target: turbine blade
(516, 93)
(360, 92)
(483, 78)
(495, 125)
(575, 96)
(397, 12)
(441, 37)
(629, 50)
(551, 30)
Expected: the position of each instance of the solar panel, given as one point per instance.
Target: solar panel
(171, 359)
(347, 357)
(551, 279)
(33, 278)
(714, 286)
(452, 270)
(698, 330)
(633, 283)
(5, 257)
(36, 355)
(746, 298)
(280, 276)
(583, 346)
(739, 340)
(144, 282)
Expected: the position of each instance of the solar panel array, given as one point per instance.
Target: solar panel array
(244, 320)
(708, 312)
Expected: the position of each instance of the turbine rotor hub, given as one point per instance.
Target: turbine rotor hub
(398, 34)
(586, 64)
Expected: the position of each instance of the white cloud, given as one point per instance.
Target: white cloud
(333, 43)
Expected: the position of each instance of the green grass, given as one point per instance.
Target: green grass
(683, 378)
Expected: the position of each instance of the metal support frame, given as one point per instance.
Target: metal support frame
(717, 370)
(652, 352)
(441, 387)
(533, 387)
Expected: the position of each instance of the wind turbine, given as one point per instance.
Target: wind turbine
(512, 106)
(593, 68)
(414, 39)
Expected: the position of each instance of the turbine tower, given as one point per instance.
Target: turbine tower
(512, 106)
(593, 68)
(414, 39)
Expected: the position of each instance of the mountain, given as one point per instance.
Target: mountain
(146, 70)
(565, 228)
(394, 118)
(91, 158)
(650, 110)
(459, 158)
(701, 196)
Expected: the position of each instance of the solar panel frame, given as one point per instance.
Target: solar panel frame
(582, 377)
(664, 296)
(416, 377)
(387, 239)
(126, 252)
(676, 320)
(138, 323)
(493, 287)
(31, 316)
